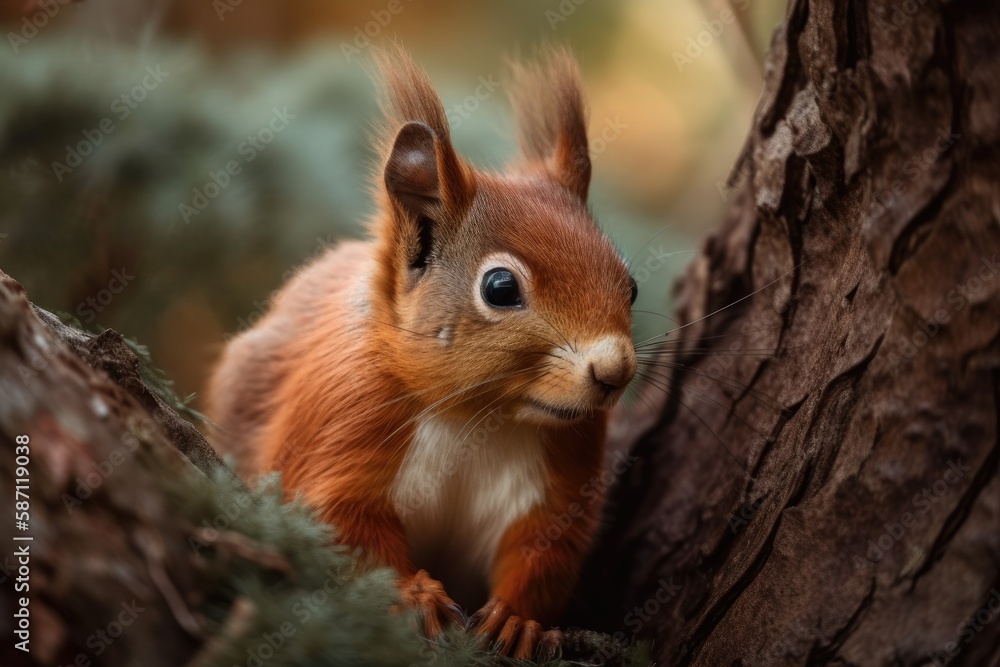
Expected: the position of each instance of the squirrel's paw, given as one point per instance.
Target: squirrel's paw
(512, 635)
(433, 606)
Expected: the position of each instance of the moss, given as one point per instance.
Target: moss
(130, 189)
(152, 376)
(157, 380)
(311, 606)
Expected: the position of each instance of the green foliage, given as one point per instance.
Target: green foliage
(317, 612)
(152, 376)
(157, 380)
(321, 610)
(88, 190)
(65, 232)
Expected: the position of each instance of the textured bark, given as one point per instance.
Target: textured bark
(108, 537)
(104, 534)
(820, 479)
(773, 488)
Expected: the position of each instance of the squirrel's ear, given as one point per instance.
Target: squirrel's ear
(424, 178)
(552, 119)
(428, 186)
(411, 172)
(423, 173)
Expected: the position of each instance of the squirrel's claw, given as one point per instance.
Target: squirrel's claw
(433, 606)
(482, 621)
(512, 635)
(459, 615)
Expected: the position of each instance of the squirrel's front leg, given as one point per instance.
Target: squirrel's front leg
(378, 532)
(531, 583)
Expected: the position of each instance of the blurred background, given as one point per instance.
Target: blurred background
(165, 165)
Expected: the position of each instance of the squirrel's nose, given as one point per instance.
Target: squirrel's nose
(612, 363)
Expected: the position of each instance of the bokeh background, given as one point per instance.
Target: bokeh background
(119, 117)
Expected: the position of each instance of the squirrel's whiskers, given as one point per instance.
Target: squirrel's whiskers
(440, 391)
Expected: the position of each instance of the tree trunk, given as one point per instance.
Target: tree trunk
(815, 481)
(127, 559)
(87, 450)
(837, 501)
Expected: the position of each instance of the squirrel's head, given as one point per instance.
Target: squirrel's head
(498, 289)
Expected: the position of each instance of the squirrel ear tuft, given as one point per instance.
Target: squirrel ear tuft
(414, 137)
(429, 187)
(552, 118)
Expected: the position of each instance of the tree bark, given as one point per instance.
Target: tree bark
(105, 540)
(118, 572)
(815, 481)
(818, 481)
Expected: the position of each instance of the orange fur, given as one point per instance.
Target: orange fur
(528, 554)
(373, 339)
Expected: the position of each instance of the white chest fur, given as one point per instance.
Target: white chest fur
(460, 488)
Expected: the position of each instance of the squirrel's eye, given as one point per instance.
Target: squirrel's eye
(500, 289)
(635, 291)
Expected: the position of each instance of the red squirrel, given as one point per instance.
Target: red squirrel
(439, 392)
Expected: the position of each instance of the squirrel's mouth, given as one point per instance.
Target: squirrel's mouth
(563, 414)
